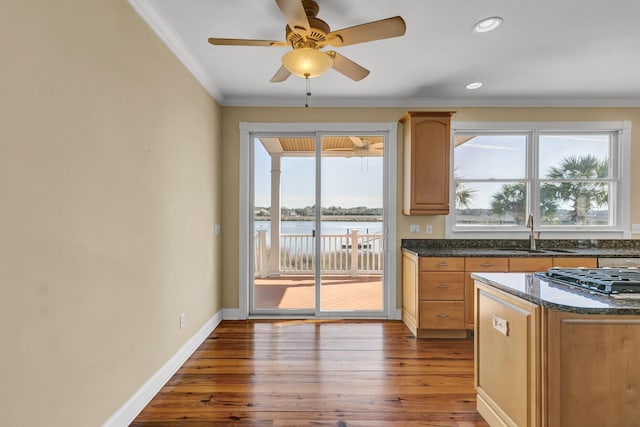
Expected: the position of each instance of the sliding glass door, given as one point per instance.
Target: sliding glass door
(314, 258)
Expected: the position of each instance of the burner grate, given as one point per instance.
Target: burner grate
(605, 280)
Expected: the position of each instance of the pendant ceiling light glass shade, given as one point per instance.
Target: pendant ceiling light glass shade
(307, 62)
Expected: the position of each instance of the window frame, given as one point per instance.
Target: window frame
(619, 178)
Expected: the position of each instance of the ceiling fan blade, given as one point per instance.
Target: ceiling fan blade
(347, 67)
(377, 30)
(281, 75)
(295, 15)
(357, 141)
(245, 42)
(377, 145)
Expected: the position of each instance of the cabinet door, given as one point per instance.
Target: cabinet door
(507, 358)
(426, 163)
(593, 370)
(410, 276)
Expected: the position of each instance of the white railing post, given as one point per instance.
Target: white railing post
(354, 253)
(274, 253)
(263, 257)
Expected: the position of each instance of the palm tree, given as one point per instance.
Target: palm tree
(511, 200)
(583, 196)
(464, 195)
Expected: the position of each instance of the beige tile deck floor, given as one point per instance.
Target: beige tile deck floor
(337, 293)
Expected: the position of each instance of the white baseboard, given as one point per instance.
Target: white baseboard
(233, 314)
(128, 412)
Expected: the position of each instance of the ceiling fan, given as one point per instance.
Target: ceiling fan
(362, 147)
(307, 35)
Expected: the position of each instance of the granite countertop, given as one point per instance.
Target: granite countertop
(519, 248)
(538, 290)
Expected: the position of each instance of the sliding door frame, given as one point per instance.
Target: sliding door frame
(245, 274)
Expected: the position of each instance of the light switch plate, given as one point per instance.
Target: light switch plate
(429, 229)
(414, 228)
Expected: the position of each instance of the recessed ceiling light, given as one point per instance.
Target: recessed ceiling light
(474, 85)
(487, 24)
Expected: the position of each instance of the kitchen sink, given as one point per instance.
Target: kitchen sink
(536, 251)
(564, 251)
(531, 251)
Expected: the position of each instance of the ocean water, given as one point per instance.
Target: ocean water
(328, 227)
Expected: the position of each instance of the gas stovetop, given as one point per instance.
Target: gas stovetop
(612, 281)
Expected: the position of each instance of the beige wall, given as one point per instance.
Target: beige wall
(232, 116)
(109, 190)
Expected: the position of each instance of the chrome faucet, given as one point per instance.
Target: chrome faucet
(532, 236)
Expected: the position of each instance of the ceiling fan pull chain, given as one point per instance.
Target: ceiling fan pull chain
(308, 93)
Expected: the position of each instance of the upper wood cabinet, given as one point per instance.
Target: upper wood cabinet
(426, 162)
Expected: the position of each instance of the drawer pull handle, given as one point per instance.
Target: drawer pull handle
(442, 264)
(442, 316)
(443, 286)
(486, 264)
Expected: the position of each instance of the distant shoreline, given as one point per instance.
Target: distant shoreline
(337, 218)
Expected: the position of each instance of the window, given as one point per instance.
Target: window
(572, 177)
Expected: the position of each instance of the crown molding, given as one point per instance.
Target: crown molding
(170, 38)
(408, 102)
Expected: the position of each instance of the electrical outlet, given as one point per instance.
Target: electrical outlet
(635, 228)
(429, 229)
(216, 230)
(414, 228)
(181, 320)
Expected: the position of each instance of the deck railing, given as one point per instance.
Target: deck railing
(352, 254)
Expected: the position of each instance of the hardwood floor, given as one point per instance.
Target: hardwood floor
(295, 373)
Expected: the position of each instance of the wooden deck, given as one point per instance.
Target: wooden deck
(337, 293)
(319, 373)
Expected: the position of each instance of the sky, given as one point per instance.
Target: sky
(503, 157)
(346, 182)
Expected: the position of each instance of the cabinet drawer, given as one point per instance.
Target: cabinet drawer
(441, 264)
(438, 285)
(575, 262)
(442, 314)
(486, 264)
(526, 265)
(619, 262)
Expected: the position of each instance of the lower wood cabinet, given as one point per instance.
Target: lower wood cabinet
(438, 292)
(507, 358)
(535, 366)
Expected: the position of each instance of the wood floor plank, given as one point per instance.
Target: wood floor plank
(319, 373)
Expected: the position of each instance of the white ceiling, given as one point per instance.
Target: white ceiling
(546, 53)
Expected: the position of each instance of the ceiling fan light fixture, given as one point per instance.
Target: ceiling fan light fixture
(307, 62)
(487, 24)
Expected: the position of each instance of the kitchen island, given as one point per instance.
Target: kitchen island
(547, 354)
